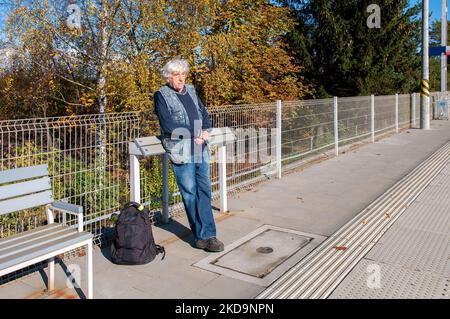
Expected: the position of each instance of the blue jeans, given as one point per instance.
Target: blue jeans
(195, 187)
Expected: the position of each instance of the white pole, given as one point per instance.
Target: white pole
(135, 179)
(372, 117)
(336, 128)
(396, 113)
(425, 87)
(413, 110)
(278, 142)
(222, 151)
(444, 44)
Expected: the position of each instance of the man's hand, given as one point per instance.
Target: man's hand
(199, 140)
(203, 138)
(205, 135)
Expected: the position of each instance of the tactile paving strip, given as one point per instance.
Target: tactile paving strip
(414, 254)
(394, 282)
(324, 269)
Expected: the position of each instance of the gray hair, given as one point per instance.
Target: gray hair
(175, 65)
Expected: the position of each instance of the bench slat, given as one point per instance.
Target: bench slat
(25, 188)
(7, 252)
(37, 236)
(29, 201)
(30, 254)
(12, 239)
(18, 174)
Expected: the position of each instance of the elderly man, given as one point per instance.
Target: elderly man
(184, 124)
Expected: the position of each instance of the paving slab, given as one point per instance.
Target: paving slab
(395, 282)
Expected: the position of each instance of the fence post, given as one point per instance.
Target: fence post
(222, 151)
(135, 179)
(336, 127)
(396, 112)
(278, 142)
(413, 110)
(372, 117)
(165, 189)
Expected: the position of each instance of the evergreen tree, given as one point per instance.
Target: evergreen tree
(344, 57)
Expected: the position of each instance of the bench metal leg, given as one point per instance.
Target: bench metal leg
(51, 274)
(90, 272)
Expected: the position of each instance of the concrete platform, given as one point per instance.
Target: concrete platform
(316, 200)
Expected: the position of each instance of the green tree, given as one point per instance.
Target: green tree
(344, 57)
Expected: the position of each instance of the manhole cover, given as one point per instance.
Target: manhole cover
(256, 258)
(263, 255)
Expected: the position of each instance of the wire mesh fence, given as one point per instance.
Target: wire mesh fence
(353, 118)
(307, 126)
(89, 161)
(253, 155)
(384, 113)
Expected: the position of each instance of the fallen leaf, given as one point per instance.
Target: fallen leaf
(340, 248)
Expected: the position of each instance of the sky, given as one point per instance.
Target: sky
(435, 7)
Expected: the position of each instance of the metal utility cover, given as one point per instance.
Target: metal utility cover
(252, 259)
(262, 256)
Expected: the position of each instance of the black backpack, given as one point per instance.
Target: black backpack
(133, 242)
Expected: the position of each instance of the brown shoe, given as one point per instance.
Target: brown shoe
(214, 245)
(201, 243)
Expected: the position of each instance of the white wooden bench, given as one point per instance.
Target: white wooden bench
(30, 187)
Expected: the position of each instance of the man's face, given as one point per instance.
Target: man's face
(177, 80)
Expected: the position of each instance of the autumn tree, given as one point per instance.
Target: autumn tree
(243, 55)
(111, 60)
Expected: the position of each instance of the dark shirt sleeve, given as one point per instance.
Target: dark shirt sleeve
(206, 121)
(165, 119)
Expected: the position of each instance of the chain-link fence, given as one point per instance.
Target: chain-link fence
(89, 161)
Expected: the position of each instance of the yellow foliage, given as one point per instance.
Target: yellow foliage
(235, 50)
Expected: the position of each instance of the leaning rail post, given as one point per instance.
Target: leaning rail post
(221, 137)
(165, 189)
(223, 178)
(140, 148)
(135, 179)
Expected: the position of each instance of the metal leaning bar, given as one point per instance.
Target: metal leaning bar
(151, 146)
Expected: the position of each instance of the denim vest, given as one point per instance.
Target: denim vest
(179, 150)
